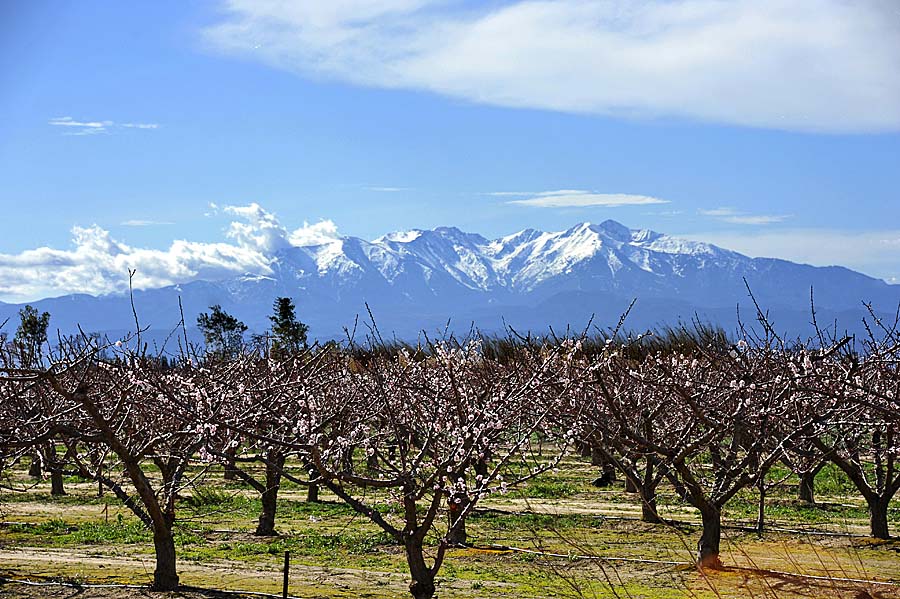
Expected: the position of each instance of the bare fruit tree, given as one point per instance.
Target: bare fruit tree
(403, 440)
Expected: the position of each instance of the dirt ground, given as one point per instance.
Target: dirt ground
(606, 525)
(101, 564)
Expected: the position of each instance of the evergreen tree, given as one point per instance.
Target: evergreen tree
(223, 333)
(288, 332)
(31, 334)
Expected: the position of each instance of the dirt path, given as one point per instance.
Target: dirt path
(108, 564)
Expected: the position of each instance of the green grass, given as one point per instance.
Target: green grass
(60, 533)
(215, 521)
(549, 489)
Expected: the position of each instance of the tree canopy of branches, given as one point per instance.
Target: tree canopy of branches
(223, 333)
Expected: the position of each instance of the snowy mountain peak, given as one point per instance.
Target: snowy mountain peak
(515, 263)
(645, 236)
(400, 236)
(614, 230)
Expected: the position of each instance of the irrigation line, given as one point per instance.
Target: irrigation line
(674, 563)
(797, 531)
(587, 557)
(252, 593)
(77, 585)
(738, 527)
(815, 577)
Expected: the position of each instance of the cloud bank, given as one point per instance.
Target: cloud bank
(98, 264)
(803, 65)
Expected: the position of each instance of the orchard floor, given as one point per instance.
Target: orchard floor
(83, 539)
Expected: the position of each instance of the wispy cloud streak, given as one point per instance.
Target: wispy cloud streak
(578, 198)
(76, 127)
(737, 217)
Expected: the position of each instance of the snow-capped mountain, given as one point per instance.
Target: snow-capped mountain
(418, 280)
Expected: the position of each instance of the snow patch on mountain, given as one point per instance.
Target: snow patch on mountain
(516, 263)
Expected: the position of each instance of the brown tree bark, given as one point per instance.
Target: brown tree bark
(230, 466)
(422, 585)
(878, 518)
(56, 483)
(806, 492)
(34, 470)
(165, 577)
(456, 535)
(269, 497)
(710, 539)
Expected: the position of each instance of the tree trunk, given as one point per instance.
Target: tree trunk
(647, 493)
(312, 491)
(806, 491)
(457, 535)
(648, 510)
(708, 547)
(372, 463)
(34, 470)
(630, 487)
(761, 509)
(878, 511)
(584, 449)
(274, 465)
(230, 466)
(422, 586)
(56, 483)
(607, 470)
(165, 578)
(481, 468)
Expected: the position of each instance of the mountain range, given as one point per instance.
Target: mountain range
(421, 280)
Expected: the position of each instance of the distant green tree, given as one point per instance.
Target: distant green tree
(31, 334)
(223, 333)
(289, 334)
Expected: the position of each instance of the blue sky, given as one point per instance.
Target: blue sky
(771, 127)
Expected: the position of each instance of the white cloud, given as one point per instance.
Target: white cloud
(577, 198)
(807, 65)
(760, 219)
(94, 127)
(97, 263)
(140, 222)
(719, 212)
(737, 217)
(324, 231)
(385, 189)
(502, 194)
(871, 252)
(261, 232)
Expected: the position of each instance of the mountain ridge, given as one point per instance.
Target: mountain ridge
(418, 279)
